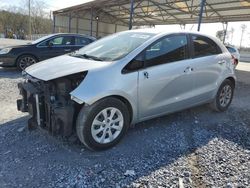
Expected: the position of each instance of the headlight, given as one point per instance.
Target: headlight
(5, 50)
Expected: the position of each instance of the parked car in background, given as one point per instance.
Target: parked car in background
(235, 53)
(124, 79)
(22, 56)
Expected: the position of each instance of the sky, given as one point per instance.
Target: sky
(52, 4)
(205, 28)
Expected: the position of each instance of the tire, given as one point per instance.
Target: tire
(24, 61)
(87, 130)
(218, 104)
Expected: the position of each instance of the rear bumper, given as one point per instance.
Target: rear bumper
(53, 116)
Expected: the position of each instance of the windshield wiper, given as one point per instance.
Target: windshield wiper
(87, 57)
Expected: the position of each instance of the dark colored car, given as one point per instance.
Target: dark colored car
(44, 48)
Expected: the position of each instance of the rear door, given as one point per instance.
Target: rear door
(208, 64)
(166, 84)
(81, 41)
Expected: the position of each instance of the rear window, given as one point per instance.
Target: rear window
(82, 41)
(203, 46)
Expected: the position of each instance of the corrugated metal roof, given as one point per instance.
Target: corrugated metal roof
(163, 12)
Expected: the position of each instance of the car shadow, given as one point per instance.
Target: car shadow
(11, 73)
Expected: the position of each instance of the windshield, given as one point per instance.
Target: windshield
(113, 47)
(41, 39)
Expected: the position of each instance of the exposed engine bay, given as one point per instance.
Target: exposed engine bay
(49, 102)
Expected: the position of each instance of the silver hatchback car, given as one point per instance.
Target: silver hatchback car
(124, 79)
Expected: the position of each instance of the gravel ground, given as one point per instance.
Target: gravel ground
(192, 148)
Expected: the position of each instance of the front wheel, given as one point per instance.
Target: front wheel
(224, 96)
(24, 61)
(103, 124)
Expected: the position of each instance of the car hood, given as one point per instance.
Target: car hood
(62, 66)
(19, 46)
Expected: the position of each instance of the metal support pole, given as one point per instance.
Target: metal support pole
(201, 13)
(77, 25)
(115, 28)
(54, 23)
(29, 21)
(91, 22)
(70, 23)
(225, 33)
(97, 28)
(131, 14)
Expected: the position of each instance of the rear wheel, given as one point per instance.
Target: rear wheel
(103, 124)
(24, 61)
(224, 96)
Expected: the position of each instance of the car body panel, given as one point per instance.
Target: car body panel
(101, 83)
(167, 85)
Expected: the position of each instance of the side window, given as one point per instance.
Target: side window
(62, 41)
(166, 50)
(204, 46)
(81, 41)
(59, 41)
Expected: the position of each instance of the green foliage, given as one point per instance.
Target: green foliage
(17, 23)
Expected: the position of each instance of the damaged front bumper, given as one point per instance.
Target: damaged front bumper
(49, 105)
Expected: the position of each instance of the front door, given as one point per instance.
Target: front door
(55, 47)
(166, 84)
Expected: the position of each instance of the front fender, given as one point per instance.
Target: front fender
(105, 83)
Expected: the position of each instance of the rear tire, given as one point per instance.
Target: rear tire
(24, 61)
(223, 97)
(98, 126)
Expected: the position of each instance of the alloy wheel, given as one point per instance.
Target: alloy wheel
(225, 95)
(26, 61)
(107, 125)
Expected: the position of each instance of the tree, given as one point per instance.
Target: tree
(243, 28)
(232, 34)
(220, 34)
(14, 20)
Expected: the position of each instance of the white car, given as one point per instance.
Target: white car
(123, 79)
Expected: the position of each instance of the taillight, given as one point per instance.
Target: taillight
(235, 62)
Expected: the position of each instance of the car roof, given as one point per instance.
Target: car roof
(167, 31)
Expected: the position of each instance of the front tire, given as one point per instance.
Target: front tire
(103, 124)
(223, 97)
(24, 61)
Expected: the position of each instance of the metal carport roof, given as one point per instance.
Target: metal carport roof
(162, 12)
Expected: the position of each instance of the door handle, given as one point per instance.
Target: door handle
(146, 75)
(67, 50)
(221, 62)
(188, 69)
